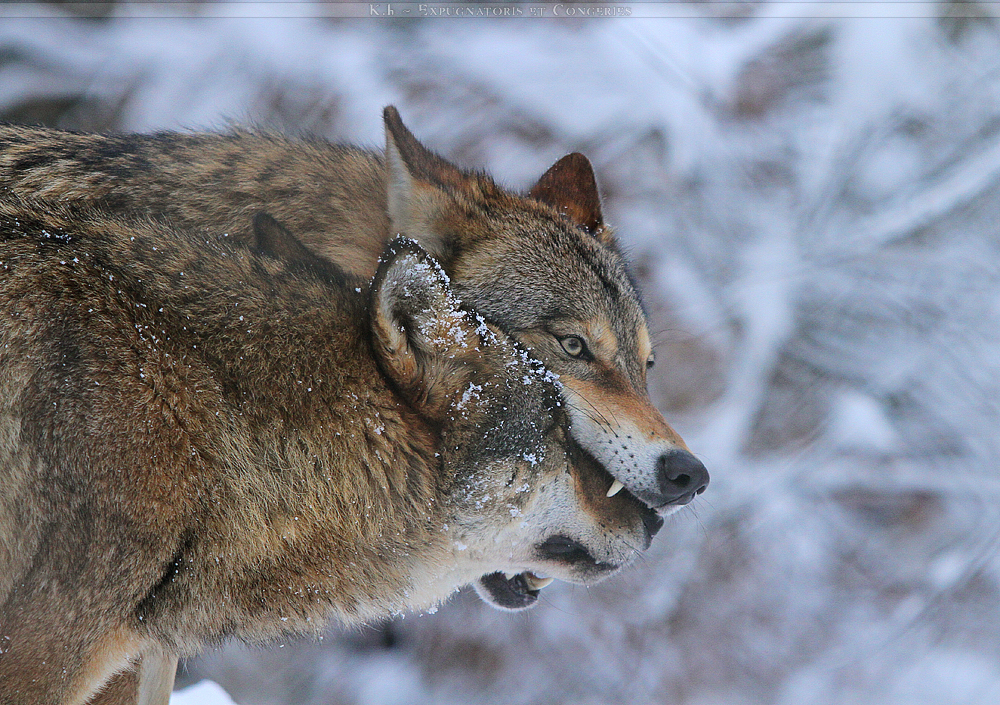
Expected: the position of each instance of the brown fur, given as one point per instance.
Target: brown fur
(201, 440)
(542, 266)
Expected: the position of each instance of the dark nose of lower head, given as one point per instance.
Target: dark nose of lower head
(681, 476)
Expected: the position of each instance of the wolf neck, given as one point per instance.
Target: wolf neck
(322, 416)
(308, 421)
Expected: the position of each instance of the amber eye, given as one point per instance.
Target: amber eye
(650, 361)
(573, 345)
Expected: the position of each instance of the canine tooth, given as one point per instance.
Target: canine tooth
(615, 488)
(509, 575)
(536, 583)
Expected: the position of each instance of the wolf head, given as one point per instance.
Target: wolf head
(545, 268)
(519, 500)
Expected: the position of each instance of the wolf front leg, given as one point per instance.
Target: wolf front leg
(156, 677)
(149, 682)
(122, 689)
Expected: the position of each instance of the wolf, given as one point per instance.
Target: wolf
(543, 266)
(203, 439)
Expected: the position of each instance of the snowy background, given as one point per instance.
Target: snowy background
(813, 207)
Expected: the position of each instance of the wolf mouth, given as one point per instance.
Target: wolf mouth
(517, 592)
(571, 559)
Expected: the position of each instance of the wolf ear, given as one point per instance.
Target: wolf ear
(420, 333)
(414, 176)
(272, 239)
(569, 186)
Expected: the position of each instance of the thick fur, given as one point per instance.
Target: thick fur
(543, 266)
(201, 439)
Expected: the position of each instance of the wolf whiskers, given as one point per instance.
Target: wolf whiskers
(594, 414)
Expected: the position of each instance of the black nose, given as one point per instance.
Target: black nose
(681, 476)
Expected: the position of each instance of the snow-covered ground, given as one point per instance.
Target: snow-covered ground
(202, 693)
(813, 207)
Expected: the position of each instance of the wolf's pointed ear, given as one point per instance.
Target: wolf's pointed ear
(414, 176)
(569, 186)
(273, 239)
(420, 334)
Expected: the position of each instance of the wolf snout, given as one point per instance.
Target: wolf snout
(680, 476)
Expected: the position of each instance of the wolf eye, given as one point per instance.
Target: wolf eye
(573, 345)
(650, 361)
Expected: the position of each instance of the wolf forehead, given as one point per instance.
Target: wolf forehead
(554, 273)
(484, 228)
(531, 270)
